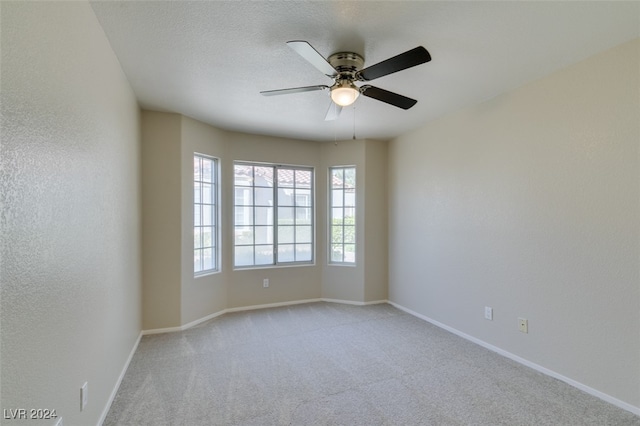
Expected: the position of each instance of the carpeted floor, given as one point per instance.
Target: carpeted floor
(333, 364)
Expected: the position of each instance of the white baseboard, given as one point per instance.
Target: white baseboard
(353, 302)
(254, 307)
(185, 326)
(117, 386)
(272, 305)
(376, 302)
(605, 397)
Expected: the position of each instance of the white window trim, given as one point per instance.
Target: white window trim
(277, 264)
(217, 212)
(331, 262)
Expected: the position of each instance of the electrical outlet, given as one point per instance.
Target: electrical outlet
(265, 283)
(488, 313)
(523, 325)
(84, 395)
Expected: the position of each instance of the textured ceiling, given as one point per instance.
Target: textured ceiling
(210, 60)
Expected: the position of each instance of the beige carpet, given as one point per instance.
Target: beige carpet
(332, 364)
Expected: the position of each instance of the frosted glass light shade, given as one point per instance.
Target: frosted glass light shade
(345, 94)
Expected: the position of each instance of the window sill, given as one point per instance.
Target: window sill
(206, 274)
(348, 265)
(253, 268)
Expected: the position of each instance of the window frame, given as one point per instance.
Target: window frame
(276, 188)
(215, 212)
(330, 211)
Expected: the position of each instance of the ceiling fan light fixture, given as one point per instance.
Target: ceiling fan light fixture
(344, 93)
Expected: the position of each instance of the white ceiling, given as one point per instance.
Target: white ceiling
(210, 60)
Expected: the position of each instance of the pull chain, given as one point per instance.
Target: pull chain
(335, 133)
(354, 122)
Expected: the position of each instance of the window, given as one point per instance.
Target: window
(273, 215)
(205, 214)
(342, 226)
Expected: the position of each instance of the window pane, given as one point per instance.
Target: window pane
(337, 235)
(207, 255)
(303, 178)
(264, 234)
(206, 215)
(244, 215)
(350, 234)
(303, 197)
(197, 238)
(337, 178)
(264, 255)
(207, 237)
(336, 198)
(349, 253)
(244, 256)
(285, 234)
(350, 215)
(258, 208)
(243, 196)
(350, 177)
(243, 235)
(196, 215)
(197, 190)
(264, 215)
(264, 197)
(286, 197)
(196, 168)
(336, 216)
(197, 265)
(263, 176)
(243, 175)
(303, 215)
(286, 253)
(336, 252)
(303, 252)
(350, 197)
(206, 193)
(285, 215)
(207, 172)
(285, 178)
(303, 234)
(342, 215)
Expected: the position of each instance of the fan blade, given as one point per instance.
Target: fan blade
(293, 90)
(333, 112)
(405, 60)
(388, 97)
(307, 51)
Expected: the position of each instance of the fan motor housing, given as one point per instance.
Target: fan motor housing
(346, 62)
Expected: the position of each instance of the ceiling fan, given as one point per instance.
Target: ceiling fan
(345, 68)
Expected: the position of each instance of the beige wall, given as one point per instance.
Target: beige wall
(375, 242)
(161, 215)
(205, 294)
(529, 203)
(366, 281)
(173, 297)
(70, 283)
(345, 282)
(285, 284)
